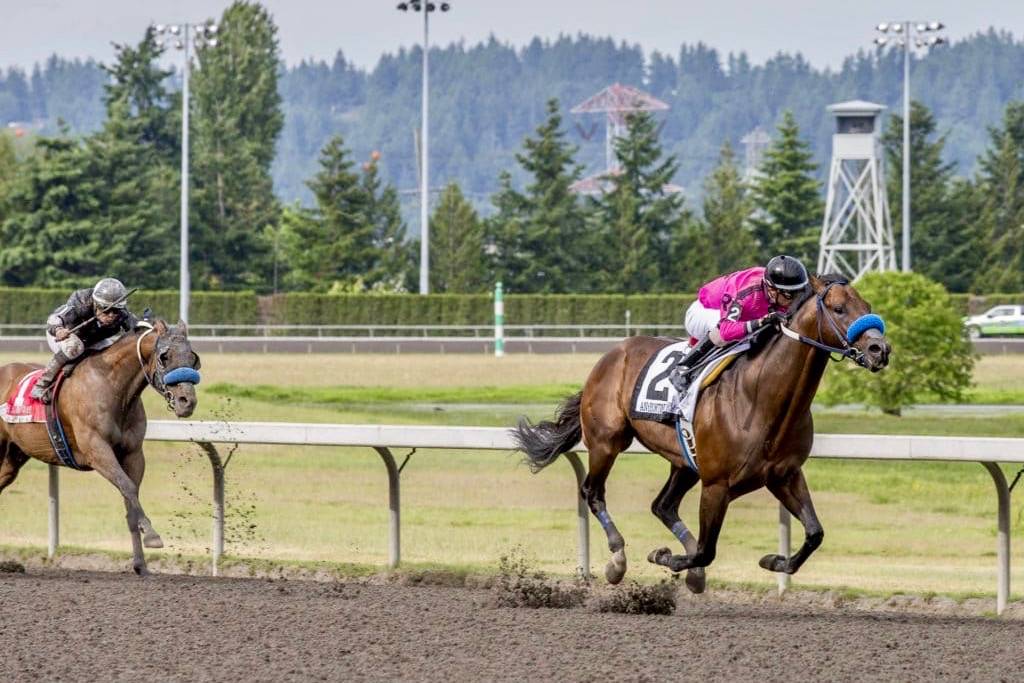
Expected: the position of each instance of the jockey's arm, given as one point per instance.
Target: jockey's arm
(733, 324)
(66, 316)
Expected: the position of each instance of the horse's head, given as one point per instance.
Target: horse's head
(845, 322)
(175, 367)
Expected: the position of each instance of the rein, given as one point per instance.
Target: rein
(859, 326)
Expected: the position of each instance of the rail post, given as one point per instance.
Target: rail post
(54, 514)
(394, 506)
(784, 546)
(582, 514)
(1003, 535)
(217, 548)
(499, 322)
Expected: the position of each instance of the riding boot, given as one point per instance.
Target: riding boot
(680, 376)
(41, 390)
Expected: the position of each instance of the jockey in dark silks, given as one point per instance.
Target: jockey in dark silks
(92, 319)
(735, 305)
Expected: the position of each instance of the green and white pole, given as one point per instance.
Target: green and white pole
(499, 322)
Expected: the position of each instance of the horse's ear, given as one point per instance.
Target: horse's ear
(183, 326)
(160, 326)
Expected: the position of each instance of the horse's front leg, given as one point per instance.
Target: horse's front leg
(792, 492)
(101, 458)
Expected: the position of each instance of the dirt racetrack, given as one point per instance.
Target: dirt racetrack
(59, 625)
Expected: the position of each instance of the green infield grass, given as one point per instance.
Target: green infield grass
(890, 526)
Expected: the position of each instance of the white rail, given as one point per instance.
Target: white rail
(382, 438)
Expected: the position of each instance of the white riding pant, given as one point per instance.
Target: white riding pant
(72, 347)
(700, 321)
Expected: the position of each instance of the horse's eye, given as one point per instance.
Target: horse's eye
(838, 309)
(165, 357)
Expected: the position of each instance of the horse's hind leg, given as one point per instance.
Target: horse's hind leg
(10, 464)
(666, 508)
(602, 457)
(793, 493)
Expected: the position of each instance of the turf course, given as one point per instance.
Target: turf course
(889, 526)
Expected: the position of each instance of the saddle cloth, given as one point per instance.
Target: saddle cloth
(20, 407)
(654, 396)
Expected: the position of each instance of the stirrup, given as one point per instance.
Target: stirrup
(679, 379)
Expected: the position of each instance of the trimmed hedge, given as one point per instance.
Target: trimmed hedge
(472, 309)
(31, 305)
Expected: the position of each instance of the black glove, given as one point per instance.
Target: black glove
(773, 318)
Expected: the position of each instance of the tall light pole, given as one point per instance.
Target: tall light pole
(183, 37)
(426, 7)
(923, 35)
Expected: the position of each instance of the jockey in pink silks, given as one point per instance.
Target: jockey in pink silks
(736, 305)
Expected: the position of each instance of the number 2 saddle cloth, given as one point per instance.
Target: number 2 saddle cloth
(655, 398)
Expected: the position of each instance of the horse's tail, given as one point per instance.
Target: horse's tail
(544, 442)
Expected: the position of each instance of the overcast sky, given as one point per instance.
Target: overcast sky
(825, 31)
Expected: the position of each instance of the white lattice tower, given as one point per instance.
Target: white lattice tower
(856, 234)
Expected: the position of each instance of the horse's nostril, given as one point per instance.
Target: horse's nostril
(875, 348)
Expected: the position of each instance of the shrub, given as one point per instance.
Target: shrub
(931, 356)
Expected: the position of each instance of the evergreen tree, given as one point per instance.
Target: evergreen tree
(941, 248)
(237, 119)
(539, 236)
(50, 235)
(8, 173)
(725, 242)
(137, 154)
(331, 246)
(639, 212)
(788, 198)
(456, 245)
(394, 268)
(1001, 183)
(103, 206)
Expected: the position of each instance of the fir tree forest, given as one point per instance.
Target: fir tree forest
(304, 175)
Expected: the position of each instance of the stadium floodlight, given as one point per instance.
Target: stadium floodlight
(201, 36)
(904, 30)
(426, 7)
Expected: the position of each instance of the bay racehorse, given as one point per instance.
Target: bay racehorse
(752, 426)
(101, 410)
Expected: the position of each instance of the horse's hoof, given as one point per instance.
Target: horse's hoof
(660, 556)
(152, 540)
(773, 563)
(140, 570)
(696, 580)
(616, 567)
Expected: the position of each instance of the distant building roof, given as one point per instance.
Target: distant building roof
(619, 98)
(855, 108)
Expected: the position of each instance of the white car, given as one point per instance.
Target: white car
(997, 321)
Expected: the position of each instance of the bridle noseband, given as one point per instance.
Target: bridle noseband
(163, 378)
(866, 322)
